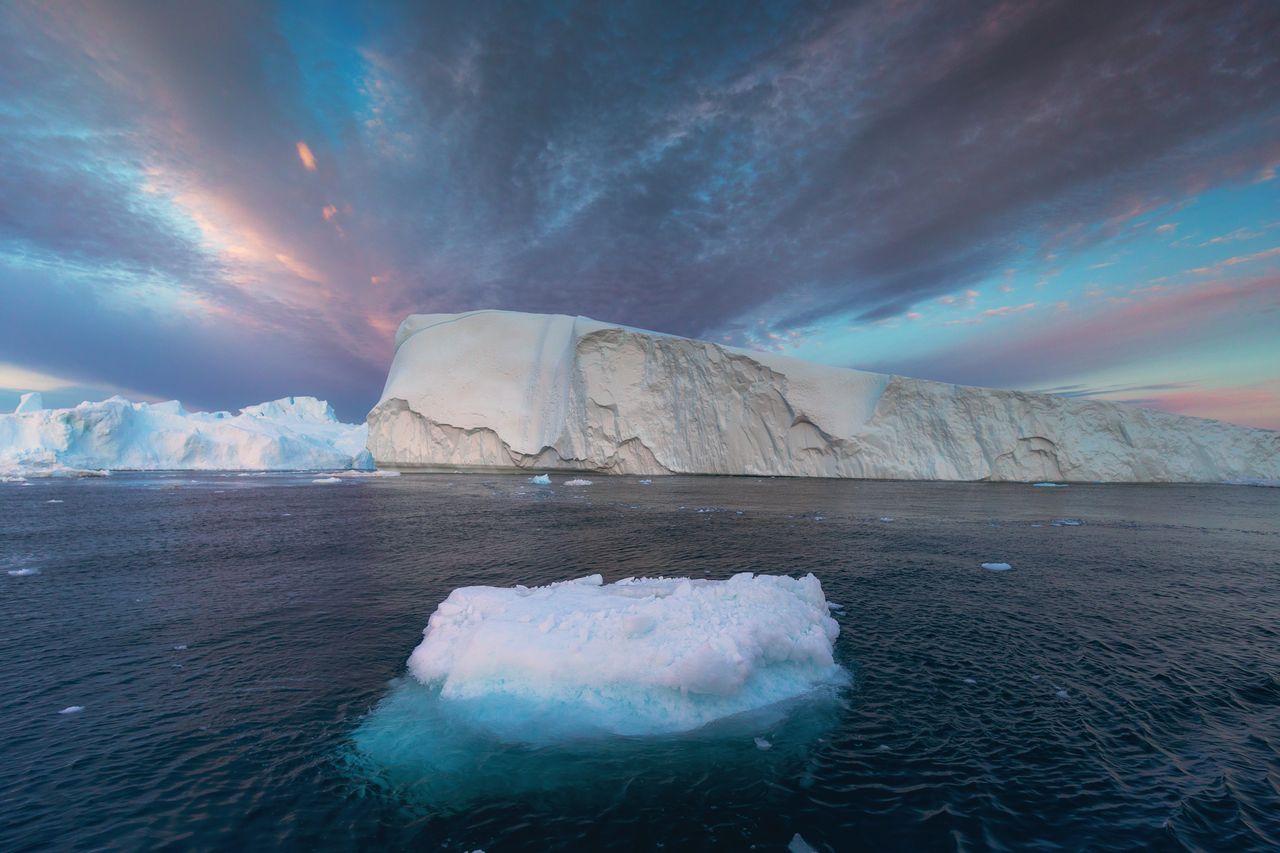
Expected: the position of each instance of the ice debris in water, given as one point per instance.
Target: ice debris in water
(799, 845)
(72, 709)
(1050, 485)
(323, 480)
(53, 501)
(1067, 522)
(997, 567)
(763, 744)
(643, 656)
(886, 518)
(22, 573)
(541, 480)
(646, 482)
(577, 481)
(970, 681)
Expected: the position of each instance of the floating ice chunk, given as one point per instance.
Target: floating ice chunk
(641, 656)
(541, 480)
(970, 681)
(997, 567)
(578, 481)
(22, 573)
(1050, 485)
(1067, 522)
(799, 845)
(181, 647)
(763, 744)
(72, 709)
(323, 480)
(886, 518)
(831, 605)
(1062, 694)
(53, 501)
(646, 482)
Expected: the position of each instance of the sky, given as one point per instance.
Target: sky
(230, 202)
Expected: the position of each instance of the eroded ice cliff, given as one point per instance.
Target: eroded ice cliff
(505, 390)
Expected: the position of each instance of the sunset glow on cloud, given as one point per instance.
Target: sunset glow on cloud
(237, 201)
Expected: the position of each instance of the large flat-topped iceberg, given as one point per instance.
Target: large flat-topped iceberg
(636, 657)
(510, 391)
(294, 433)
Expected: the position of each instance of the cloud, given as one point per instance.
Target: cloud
(675, 170)
(308, 159)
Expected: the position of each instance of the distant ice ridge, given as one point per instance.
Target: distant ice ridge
(293, 433)
(541, 392)
(641, 656)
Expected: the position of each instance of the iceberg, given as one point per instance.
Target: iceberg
(647, 656)
(293, 433)
(501, 390)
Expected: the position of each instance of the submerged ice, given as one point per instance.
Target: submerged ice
(642, 656)
(581, 689)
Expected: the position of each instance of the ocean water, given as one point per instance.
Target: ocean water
(236, 648)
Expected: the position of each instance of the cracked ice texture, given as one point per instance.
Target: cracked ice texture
(512, 391)
(638, 657)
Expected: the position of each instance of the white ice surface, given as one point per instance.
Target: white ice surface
(293, 433)
(507, 390)
(637, 657)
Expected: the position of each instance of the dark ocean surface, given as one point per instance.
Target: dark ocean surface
(230, 639)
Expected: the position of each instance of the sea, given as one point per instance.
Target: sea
(217, 662)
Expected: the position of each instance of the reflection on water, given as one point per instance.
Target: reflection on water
(231, 642)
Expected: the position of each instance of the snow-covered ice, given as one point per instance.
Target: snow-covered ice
(637, 657)
(997, 567)
(502, 389)
(293, 433)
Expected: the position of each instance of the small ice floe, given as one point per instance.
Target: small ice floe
(72, 709)
(970, 681)
(541, 480)
(831, 605)
(799, 845)
(1050, 485)
(181, 647)
(22, 573)
(577, 481)
(887, 518)
(646, 482)
(1067, 522)
(1037, 524)
(762, 744)
(325, 480)
(1062, 694)
(53, 501)
(997, 567)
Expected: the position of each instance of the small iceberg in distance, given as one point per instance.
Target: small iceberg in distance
(541, 480)
(568, 684)
(577, 481)
(997, 567)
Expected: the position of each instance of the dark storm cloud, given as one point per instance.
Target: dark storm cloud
(669, 167)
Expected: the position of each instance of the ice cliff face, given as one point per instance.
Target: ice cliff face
(504, 390)
(294, 433)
